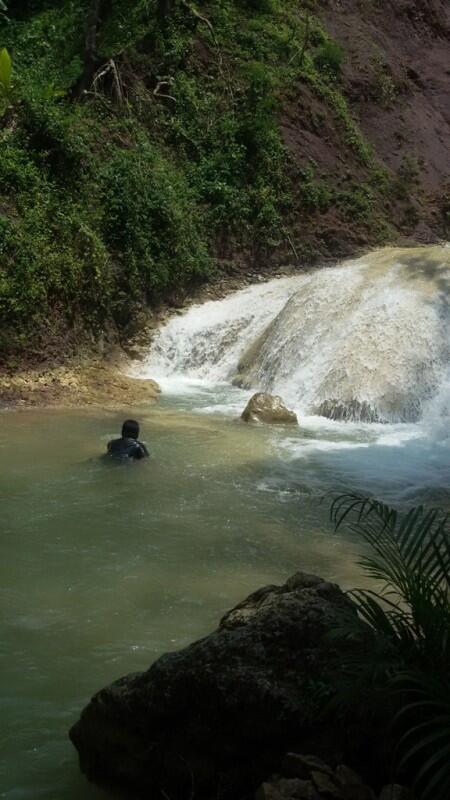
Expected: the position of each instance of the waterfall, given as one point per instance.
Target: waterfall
(368, 339)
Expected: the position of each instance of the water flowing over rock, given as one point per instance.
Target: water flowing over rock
(215, 718)
(352, 410)
(368, 340)
(268, 408)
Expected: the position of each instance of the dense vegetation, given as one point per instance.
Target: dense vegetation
(395, 672)
(129, 158)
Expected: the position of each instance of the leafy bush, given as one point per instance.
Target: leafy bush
(151, 222)
(38, 278)
(329, 58)
(399, 664)
(104, 203)
(261, 6)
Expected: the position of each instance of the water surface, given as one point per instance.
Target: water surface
(104, 567)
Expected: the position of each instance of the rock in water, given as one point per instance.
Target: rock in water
(215, 718)
(264, 407)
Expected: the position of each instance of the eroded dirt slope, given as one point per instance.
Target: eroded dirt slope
(396, 78)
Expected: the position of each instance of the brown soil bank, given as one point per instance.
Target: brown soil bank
(395, 76)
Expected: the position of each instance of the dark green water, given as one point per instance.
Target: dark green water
(105, 567)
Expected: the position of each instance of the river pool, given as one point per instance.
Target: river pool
(104, 567)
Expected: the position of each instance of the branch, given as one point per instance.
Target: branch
(109, 69)
(159, 85)
(200, 17)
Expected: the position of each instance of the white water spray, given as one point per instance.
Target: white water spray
(366, 340)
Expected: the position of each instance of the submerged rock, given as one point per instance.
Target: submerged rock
(215, 718)
(270, 408)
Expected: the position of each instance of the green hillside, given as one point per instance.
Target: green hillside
(141, 151)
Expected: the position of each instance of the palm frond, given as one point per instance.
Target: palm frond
(410, 619)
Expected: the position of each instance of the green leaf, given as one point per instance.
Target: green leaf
(5, 70)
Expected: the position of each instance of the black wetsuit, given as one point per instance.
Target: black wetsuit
(125, 448)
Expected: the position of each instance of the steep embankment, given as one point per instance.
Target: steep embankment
(395, 79)
(232, 135)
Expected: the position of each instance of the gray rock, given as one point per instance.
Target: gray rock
(311, 779)
(353, 785)
(268, 791)
(394, 791)
(269, 408)
(216, 717)
(301, 766)
(326, 785)
(287, 789)
(354, 410)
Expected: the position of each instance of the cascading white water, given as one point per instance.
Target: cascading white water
(368, 339)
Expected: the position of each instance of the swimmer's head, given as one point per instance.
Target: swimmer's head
(130, 429)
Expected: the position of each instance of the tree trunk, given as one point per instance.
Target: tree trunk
(90, 57)
(164, 9)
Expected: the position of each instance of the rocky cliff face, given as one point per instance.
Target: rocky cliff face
(213, 720)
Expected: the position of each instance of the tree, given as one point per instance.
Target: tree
(98, 11)
(91, 61)
(164, 9)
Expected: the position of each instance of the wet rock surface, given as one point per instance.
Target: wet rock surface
(214, 719)
(268, 408)
(353, 410)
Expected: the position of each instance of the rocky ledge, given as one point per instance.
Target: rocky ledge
(216, 718)
(97, 383)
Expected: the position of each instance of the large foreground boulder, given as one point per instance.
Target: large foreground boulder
(213, 720)
(270, 408)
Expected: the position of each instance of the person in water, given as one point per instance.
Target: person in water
(128, 446)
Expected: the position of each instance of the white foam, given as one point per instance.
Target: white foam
(204, 343)
(374, 331)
